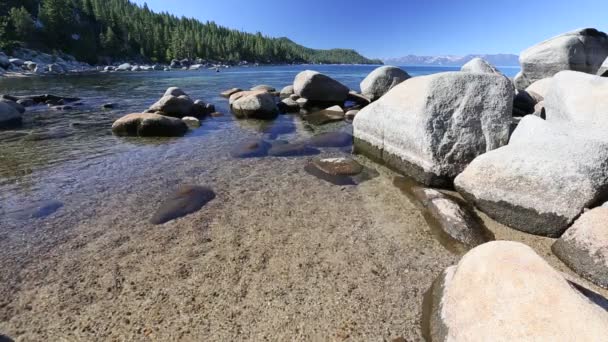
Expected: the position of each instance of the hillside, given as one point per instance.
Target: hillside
(498, 60)
(108, 30)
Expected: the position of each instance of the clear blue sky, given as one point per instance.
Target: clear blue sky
(400, 27)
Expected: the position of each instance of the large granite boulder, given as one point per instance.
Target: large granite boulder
(543, 180)
(582, 50)
(504, 291)
(255, 104)
(432, 127)
(149, 125)
(479, 65)
(381, 80)
(584, 246)
(317, 87)
(578, 98)
(9, 116)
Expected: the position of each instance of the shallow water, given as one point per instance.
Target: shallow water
(277, 253)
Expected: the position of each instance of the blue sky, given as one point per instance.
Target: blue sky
(400, 27)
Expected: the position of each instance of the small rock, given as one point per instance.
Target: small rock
(338, 166)
(108, 106)
(287, 92)
(192, 122)
(186, 200)
(216, 115)
(257, 105)
(288, 105)
(231, 92)
(350, 115)
(335, 113)
(176, 106)
(264, 87)
(294, 97)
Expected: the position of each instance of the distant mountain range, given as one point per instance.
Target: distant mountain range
(497, 60)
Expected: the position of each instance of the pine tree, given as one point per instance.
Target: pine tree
(22, 23)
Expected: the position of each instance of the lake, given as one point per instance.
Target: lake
(276, 254)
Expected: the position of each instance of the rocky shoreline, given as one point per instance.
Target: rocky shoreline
(532, 154)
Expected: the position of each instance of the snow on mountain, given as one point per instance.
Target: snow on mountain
(450, 60)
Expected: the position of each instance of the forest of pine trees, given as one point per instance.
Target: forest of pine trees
(97, 31)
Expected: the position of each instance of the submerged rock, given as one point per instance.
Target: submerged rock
(582, 50)
(332, 114)
(543, 180)
(292, 150)
(253, 148)
(331, 139)
(149, 125)
(432, 127)
(338, 166)
(186, 200)
(317, 87)
(18, 107)
(9, 116)
(381, 80)
(504, 291)
(584, 246)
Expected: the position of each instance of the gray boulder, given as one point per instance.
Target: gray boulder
(287, 92)
(30, 66)
(17, 61)
(317, 87)
(582, 50)
(504, 291)
(539, 89)
(432, 127)
(124, 67)
(584, 246)
(381, 80)
(543, 180)
(176, 106)
(264, 87)
(174, 91)
(321, 117)
(9, 116)
(149, 125)
(288, 105)
(55, 68)
(578, 98)
(480, 65)
(256, 104)
(18, 107)
(157, 67)
(4, 61)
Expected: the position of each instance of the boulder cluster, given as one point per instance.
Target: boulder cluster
(319, 98)
(531, 153)
(12, 108)
(25, 61)
(170, 116)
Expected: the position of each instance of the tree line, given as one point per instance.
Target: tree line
(99, 31)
